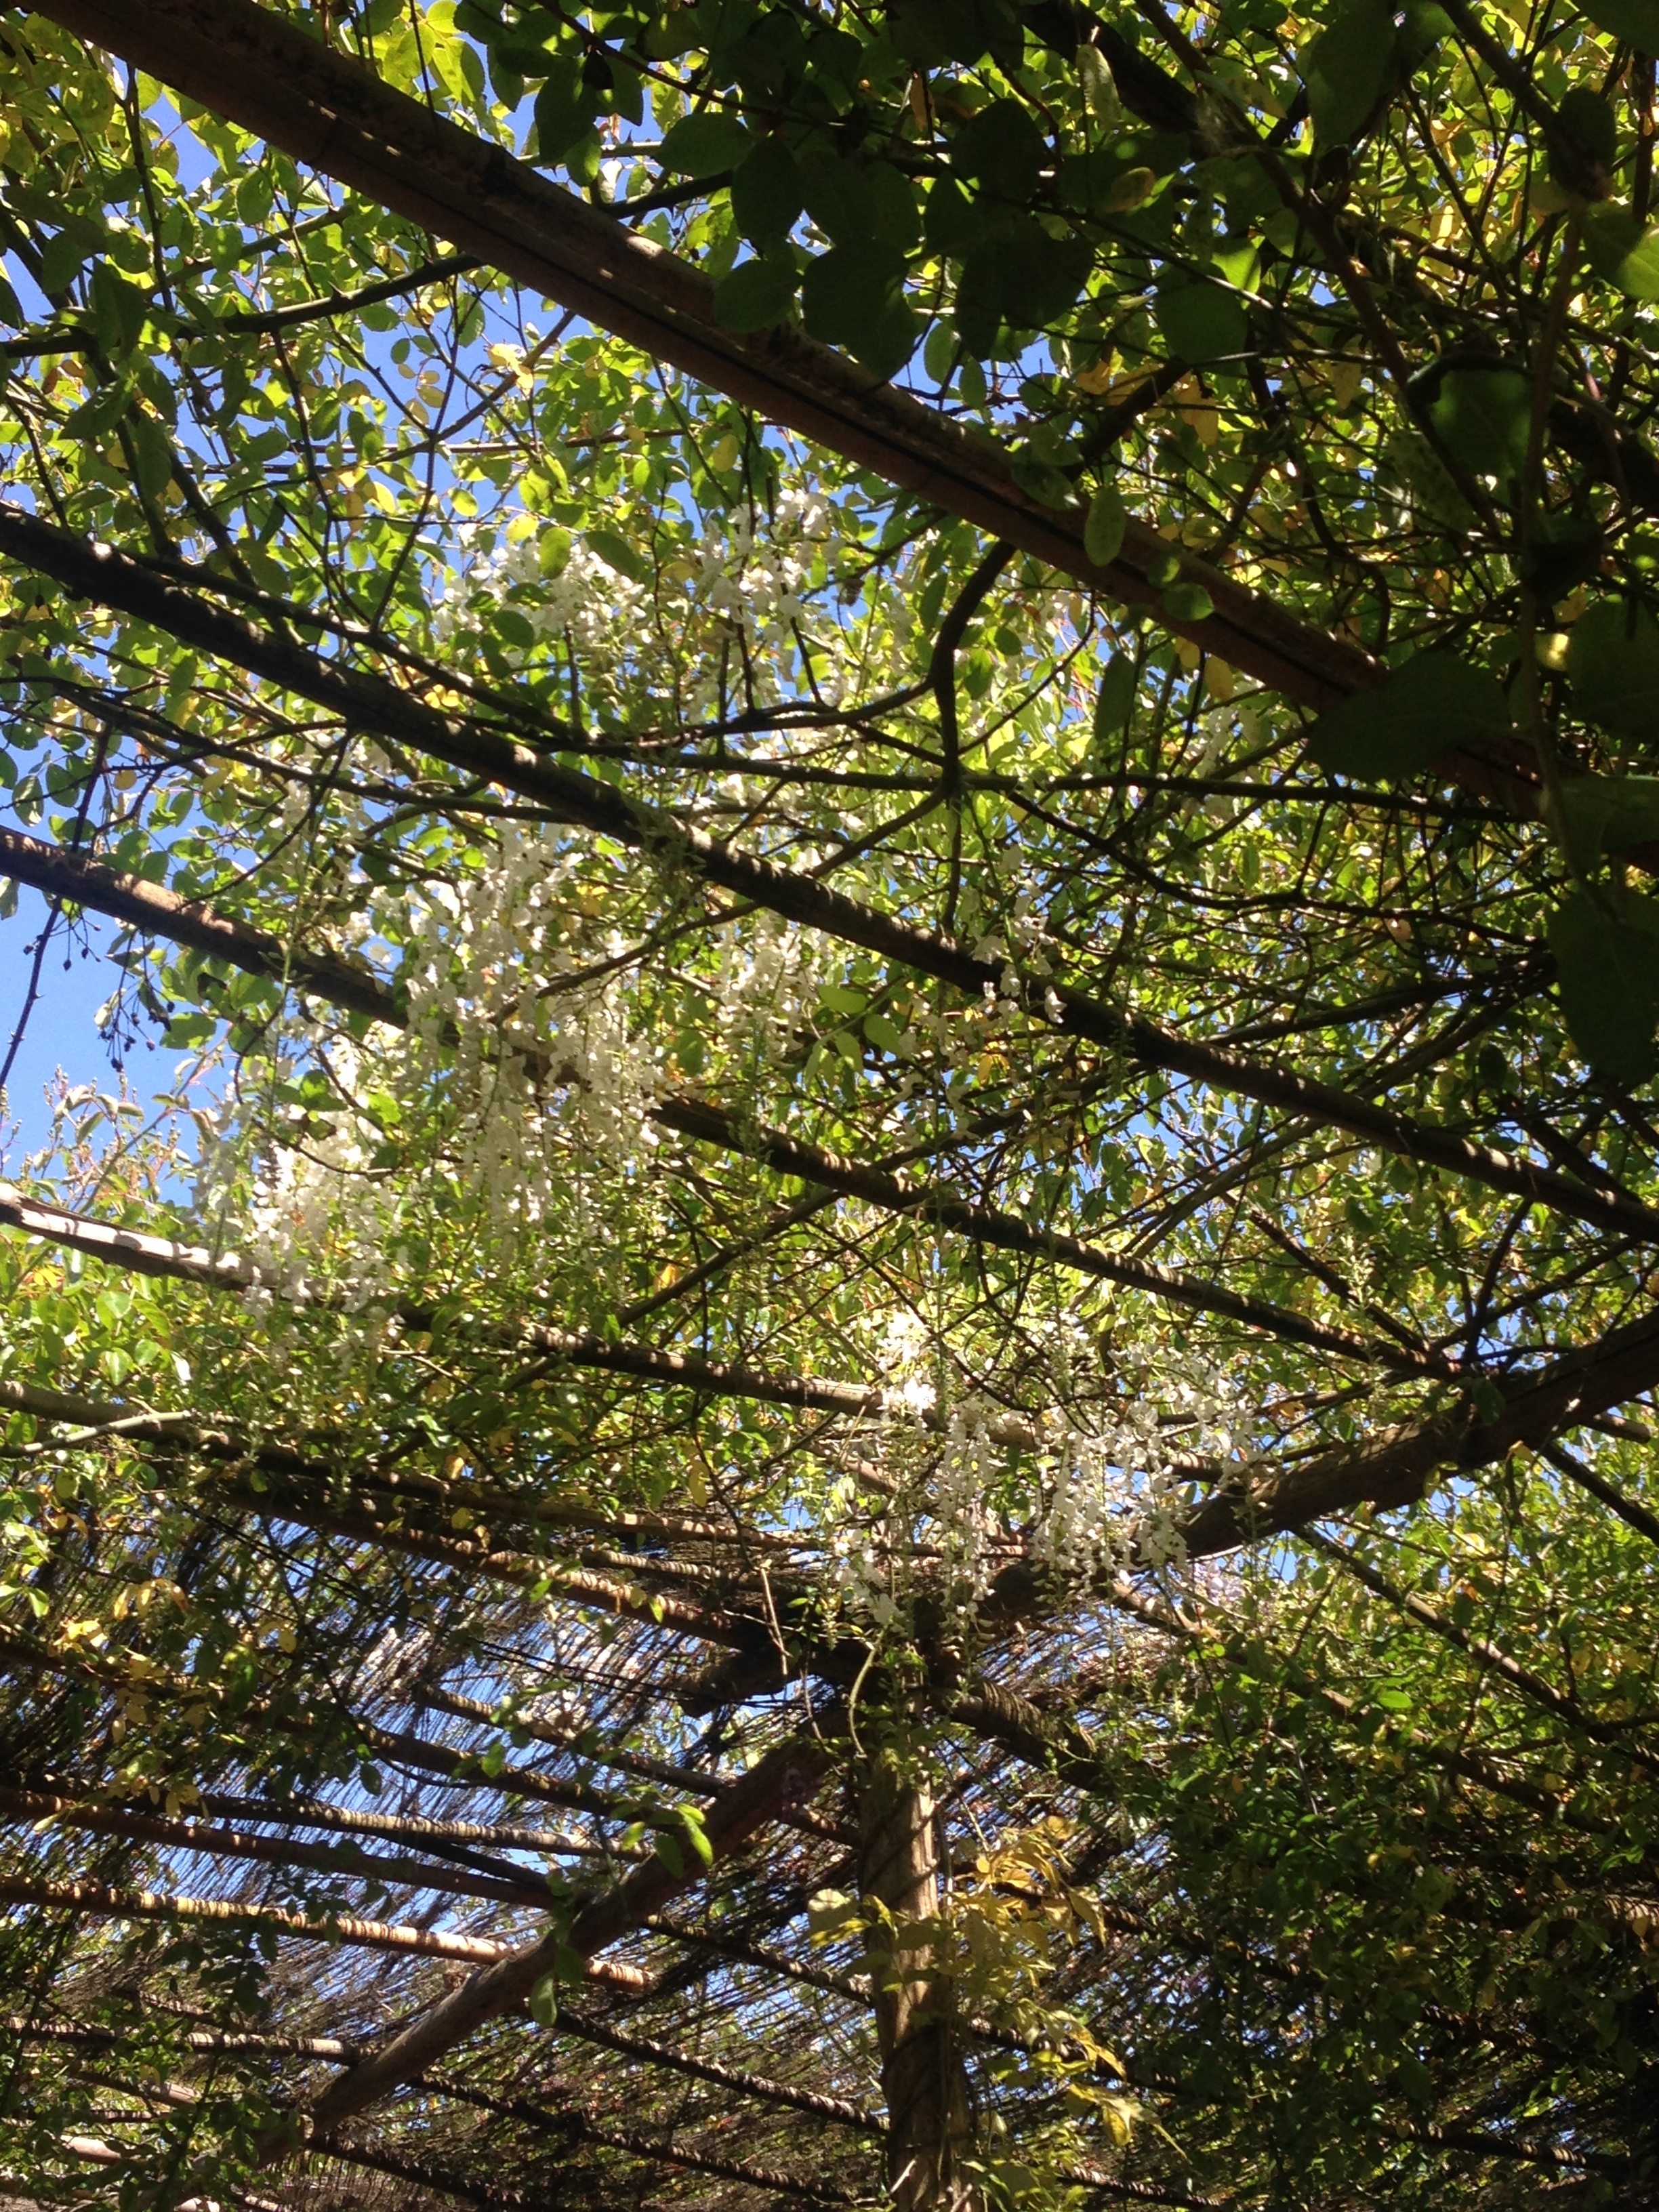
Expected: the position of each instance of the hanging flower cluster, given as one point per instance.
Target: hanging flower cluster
(1105, 1493)
(1115, 1490)
(748, 583)
(506, 1013)
(525, 1076)
(756, 581)
(765, 990)
(579, 599)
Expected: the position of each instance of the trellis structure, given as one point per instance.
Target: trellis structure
(894, 1448)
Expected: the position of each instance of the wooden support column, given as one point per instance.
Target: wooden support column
(929, 2121)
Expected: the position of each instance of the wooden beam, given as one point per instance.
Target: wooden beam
(841, 2110)
(367, 701)
(787, 1774)
(326, 108)
(42, 1806)
(102, 1900)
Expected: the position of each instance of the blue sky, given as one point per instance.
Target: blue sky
(61, 1032)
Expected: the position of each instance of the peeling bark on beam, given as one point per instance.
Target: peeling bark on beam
(602, 1593)
(152, 909)
(204, 2039)
(473, 1836)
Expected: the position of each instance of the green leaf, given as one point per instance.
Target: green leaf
(510, 625)
(1563, 552)
(1202, 323)
(890, 339)
(1102, 534)
(1347, 67)
(669, 36)
(1608, 813)
(897, 209)
(758, 293)
(617, 553)
(696, 1835)
(545, 2001)
(1411, 458)
(565, 109)
(1607, 971)
(1481, 417)
(705, 145)
(94, 416)
(1018, 275)
(950, 226)
(1188, 603)
(1421, 26)
(1436, 703)
(265, 445)
(830, 1912)
(669, 1852)
(1003, 149)
(1044, 481)
(939, 356)
(835, 296)
(845, 304)
(868, 206)
(626, 91)
(1637, 20)
(1622, 252)
(521, 56)
(1115, 701)
(1590, 122)
(837, 198)
(929, 32)
(1613, 661)
(63, 258)
(767, 194)
(118, 309)
(582, 159)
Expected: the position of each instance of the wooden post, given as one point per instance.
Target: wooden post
(929, 2121)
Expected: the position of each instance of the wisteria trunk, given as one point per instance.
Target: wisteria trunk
(929, 2119)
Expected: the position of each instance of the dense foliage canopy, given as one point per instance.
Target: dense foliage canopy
(867, 1418)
